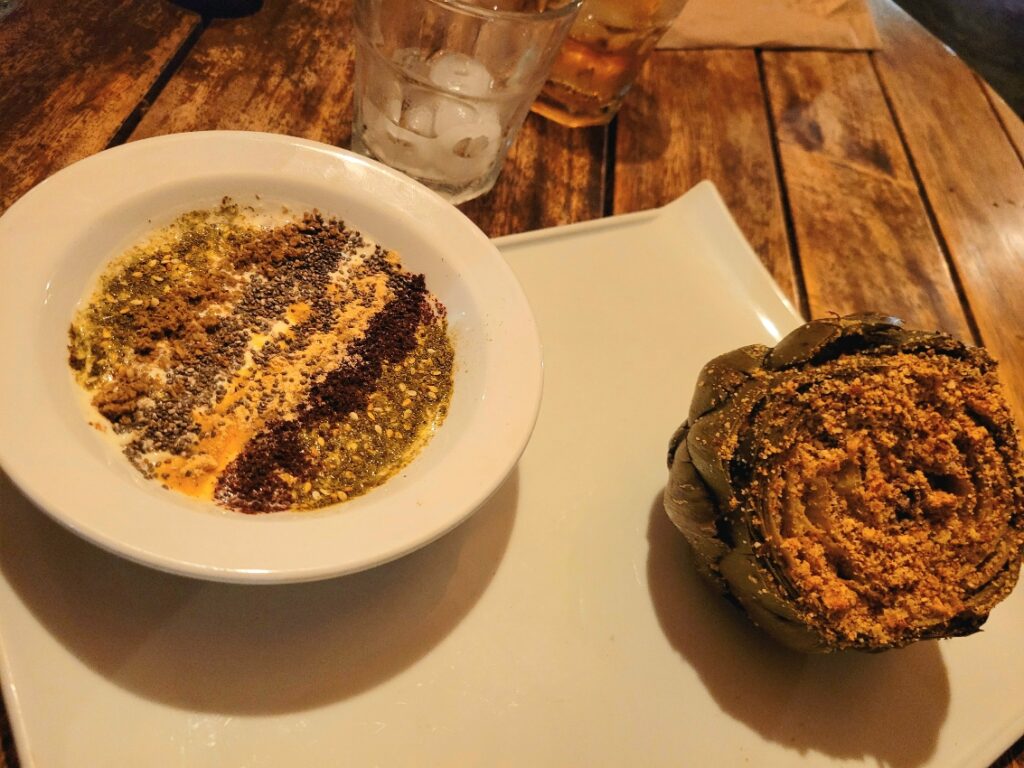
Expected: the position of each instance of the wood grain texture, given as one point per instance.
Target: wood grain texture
(863, 234)
(553, 175)
(1012, 124)
(696, 115)
(286, 69)
(80, 69)
(971, 174)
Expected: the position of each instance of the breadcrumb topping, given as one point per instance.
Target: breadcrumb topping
(882, 488)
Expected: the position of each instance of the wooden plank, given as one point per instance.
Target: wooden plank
(696, 115)
(70, 74)
(971, 174)
(1012, 124)
(553, 175)
(863, 234)
(287, 69)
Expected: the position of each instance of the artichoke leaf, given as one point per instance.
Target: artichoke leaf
(713, 438)
(692, 509)
(720, 378)
(824, 339)
(758, 594)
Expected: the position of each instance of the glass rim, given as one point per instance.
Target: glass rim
(548, 14)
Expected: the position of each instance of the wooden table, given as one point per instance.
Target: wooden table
(891, 180)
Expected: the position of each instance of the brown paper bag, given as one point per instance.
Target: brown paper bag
(838, 24)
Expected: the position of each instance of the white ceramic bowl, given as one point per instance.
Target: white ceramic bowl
(53, 244)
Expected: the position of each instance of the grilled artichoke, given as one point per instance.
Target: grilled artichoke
(859, 485)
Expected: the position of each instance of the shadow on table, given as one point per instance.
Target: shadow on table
(887, 706)
(236, 649)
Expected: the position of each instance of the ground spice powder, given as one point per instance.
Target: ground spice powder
(267, 368)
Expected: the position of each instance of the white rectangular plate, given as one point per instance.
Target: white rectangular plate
(562, 625)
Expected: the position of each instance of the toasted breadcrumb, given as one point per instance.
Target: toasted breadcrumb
(884, 493)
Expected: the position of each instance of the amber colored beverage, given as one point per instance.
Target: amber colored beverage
(601, 58)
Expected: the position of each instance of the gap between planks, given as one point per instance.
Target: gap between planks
(804, 303)
(611, 138)
(929, 209)
(695, 115)
(865, 243)
(173, 65)
(1004, 115)
(972, 172)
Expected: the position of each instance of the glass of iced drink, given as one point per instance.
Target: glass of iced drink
(442, 86)
(598, 63)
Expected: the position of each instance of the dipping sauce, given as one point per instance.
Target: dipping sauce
(266, 367)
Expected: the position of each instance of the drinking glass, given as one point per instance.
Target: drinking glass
(442, 86)
(598, 63)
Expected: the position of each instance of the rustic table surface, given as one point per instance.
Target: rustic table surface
(890, 180)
